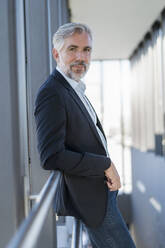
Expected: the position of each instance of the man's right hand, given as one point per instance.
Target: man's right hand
(113, 178)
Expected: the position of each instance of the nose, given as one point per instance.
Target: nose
(80, 55)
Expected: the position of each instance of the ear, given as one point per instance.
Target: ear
(55, 54)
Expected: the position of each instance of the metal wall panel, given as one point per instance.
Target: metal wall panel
(11, 181)
(36, 16)
(42, 20)
(26, 61)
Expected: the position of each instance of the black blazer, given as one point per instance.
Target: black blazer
(68, 141)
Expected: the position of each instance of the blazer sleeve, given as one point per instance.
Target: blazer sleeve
(51, 121)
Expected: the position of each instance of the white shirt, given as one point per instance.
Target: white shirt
(79, 88)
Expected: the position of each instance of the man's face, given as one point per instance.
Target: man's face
(74, 57)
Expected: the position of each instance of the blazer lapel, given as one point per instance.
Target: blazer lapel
(81, 106)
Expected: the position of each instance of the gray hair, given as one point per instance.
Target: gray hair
(67, 30)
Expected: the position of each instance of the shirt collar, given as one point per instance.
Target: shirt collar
(77, 86)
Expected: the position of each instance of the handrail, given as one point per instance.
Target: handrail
(28, 233)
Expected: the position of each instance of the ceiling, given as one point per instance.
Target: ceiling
(118, 25)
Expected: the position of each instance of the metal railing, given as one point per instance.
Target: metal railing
(29, 231)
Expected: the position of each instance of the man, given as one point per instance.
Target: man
(71, 139)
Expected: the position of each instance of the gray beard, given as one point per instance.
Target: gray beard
(74, 76)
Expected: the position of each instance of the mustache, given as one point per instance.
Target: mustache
(79, 63)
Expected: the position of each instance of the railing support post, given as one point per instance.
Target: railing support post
(77, 234)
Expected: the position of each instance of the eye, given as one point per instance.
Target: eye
(87, 49)
(72, 49)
